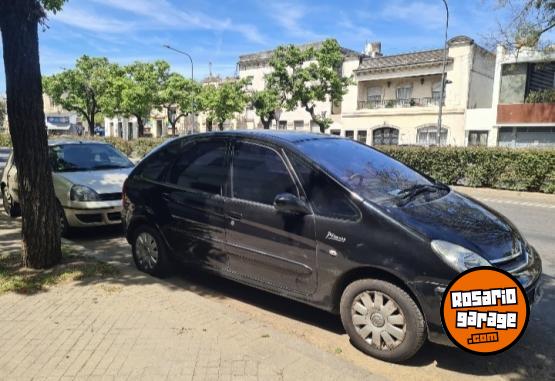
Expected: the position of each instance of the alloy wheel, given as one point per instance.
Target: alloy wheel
(147, 251)
(379, 320)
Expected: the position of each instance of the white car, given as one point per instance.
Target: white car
(88, 180)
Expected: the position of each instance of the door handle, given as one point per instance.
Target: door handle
(235, 216)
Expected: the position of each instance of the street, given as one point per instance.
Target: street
(532, 358)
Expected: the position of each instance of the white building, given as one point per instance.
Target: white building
(395, 98)
(511, 121)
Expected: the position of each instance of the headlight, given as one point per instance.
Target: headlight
(458, 257)
(82, 193)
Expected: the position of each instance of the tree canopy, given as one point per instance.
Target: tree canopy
(82, 89)
(178, 95)
(529, 24)
(305, 76)
(223, 101)
(265, 103)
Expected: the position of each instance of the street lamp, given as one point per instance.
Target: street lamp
(277, 115)
(192, 79)
(443, 75)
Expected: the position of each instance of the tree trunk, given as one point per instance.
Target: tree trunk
(266, 123)
(209, 125)
(91, 124)
(221, 126)
(141, 125)
(40, 220)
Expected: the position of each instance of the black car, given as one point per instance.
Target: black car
(323, 220)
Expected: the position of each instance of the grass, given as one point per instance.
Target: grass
(16, 278)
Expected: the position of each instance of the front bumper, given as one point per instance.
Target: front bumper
(431, 295)
(91, 214)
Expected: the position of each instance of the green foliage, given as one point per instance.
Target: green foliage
(53, 5)
(265, 103)
(501, 168)
(82, 89)
(179, 93)
(305, 76)
(222, 102)
(541, 96)
(3, 112)
(5, 140)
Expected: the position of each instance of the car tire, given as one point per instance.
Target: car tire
(12, 208)
(150, 253)
(382, 320)
(65, 229)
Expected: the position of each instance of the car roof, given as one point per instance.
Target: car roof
(59, 142)
(273, 136)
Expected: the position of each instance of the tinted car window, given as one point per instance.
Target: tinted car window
(259, 174)
(156, 165)
(201, 167)
(368, 172)
(326, 197)
(86, 157)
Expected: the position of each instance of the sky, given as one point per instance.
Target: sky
(220, 31)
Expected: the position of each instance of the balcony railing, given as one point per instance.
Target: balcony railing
(398, 103)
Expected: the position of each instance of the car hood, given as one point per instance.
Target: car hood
(464, 221)
(103, 181)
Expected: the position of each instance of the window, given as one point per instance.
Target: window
(201, 167)
(428, 135)
(404, 94)
(350, 134)
(299, 124)
(385, 136)
(478, 138)
(335, 132)
(326, 197)
(157, 165)
(314, 127)
(436, 92)
(361, 136)
(129, 130)
(283, 125)
(374, 95)
(259, 174)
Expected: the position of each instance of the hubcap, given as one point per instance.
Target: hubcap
(147, 251)
(379, 320)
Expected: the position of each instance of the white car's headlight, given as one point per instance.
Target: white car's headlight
(458, 257)
(82, 193)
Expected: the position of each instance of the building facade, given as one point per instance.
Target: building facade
(395, 99)
(516, 118)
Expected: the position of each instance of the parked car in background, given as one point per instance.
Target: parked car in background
(88, 179)
(323, 220)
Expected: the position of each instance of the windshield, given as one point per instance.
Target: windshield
(371, 174)
(86, 157)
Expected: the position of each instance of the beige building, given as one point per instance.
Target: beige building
(394, 99)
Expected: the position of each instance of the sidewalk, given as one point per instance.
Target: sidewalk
(138, 327)
(509, 197)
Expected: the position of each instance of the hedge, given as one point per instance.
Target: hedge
(502, 168)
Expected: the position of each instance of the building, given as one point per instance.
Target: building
(60, 121)
(394, 99)
(516, 119)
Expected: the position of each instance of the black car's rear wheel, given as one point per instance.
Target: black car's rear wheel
(382, 320)
(149, 251)
(10, 206)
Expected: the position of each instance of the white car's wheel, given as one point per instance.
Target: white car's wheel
(10, 206)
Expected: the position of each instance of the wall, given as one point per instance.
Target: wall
(482, 73)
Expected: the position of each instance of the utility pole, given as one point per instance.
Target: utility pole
(192, 79)
(443, 75)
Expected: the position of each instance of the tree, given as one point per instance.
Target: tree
(3, 112)
(134, 90)
(40, 219)
(265, 103)
(81, 89)
(529, 23)
(177, 95)
(305, 76)
(222, 102)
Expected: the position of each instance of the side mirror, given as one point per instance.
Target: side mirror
(290, 204)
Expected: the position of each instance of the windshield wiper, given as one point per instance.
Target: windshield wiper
(409, 194)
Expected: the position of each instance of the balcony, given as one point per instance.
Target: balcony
(398, 103)
(526, 113)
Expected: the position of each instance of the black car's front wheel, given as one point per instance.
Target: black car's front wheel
(149, 251)
(382, 320)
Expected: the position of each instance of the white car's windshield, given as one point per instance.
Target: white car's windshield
(370, 173)
(86, 157)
